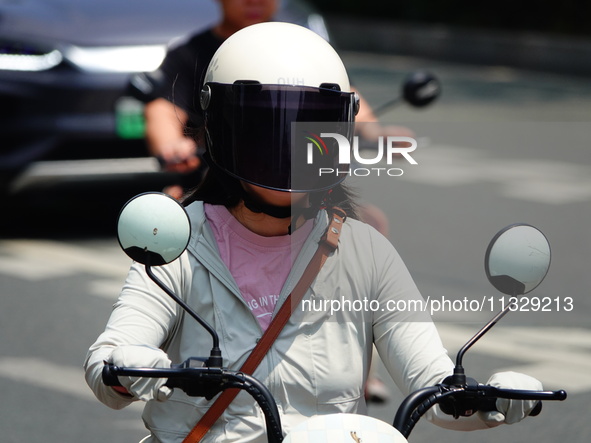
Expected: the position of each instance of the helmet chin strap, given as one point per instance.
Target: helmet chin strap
(258, 207)
(281, 212)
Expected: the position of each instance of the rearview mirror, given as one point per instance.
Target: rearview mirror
(517, 259)
(153, 229)
(421, 88)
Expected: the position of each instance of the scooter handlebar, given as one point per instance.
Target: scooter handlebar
(453, 400)
(197, 381)
(203, 381)
(462, 400)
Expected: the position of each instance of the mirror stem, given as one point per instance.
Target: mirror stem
(459, 377)
(215, 357)
(385, 106)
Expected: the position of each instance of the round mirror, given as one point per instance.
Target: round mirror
(421, 88)
(153, 228)
(517, 259)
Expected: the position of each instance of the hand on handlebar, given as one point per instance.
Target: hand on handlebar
(142, 356)
(511, 411)
(179, 156)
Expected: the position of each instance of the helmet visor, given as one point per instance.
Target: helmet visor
(261, 134)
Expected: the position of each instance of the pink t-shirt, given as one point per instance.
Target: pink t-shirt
(260, 265)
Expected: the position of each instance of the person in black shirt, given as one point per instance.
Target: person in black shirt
(174, 121)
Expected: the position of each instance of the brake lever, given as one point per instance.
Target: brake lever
(202, 381)
(519, 394)
(493, 393)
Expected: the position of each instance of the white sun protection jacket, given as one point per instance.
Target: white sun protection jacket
(320, 361)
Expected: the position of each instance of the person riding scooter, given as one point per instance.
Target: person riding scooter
(257, 220)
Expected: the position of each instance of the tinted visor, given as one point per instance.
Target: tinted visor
(258, 133)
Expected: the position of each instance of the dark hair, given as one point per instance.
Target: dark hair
(219, 188)
(216, 188)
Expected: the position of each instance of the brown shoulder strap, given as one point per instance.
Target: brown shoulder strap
(327, 245)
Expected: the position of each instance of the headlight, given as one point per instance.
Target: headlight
(20, 57)
(116, 59)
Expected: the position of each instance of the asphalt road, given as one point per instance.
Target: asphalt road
(500, 146)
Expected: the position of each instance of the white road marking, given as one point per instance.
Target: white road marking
(41, 259)
(559, 357)
(68, 380)
(33, 371)
(542, 181)
(61, 379)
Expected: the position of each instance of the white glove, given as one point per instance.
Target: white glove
(140, 356)
(511, 411)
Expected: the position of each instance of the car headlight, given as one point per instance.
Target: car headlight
(22, 57)
(117, 58)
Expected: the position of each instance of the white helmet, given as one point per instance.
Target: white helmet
(262, 80)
